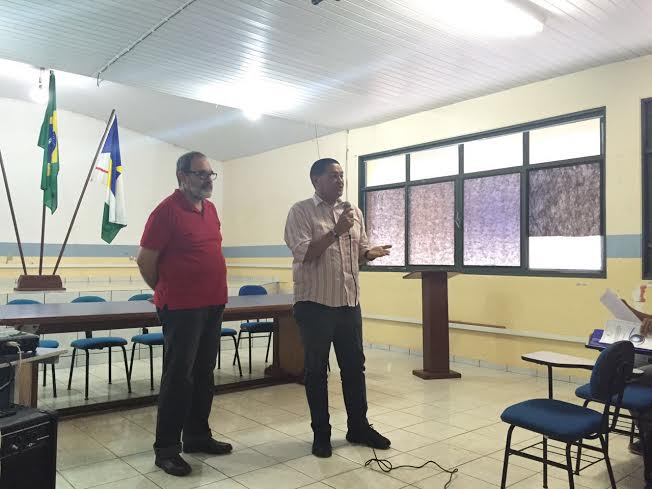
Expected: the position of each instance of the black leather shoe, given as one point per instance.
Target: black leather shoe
(366, 435)
(321, 446)
(211, 446)
(174, 465)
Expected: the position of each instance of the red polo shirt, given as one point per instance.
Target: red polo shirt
(191, 266)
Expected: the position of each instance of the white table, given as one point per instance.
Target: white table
(26, 385)
(551, 359)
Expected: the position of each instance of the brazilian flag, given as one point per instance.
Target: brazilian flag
(49, 141)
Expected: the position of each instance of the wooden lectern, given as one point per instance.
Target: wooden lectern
(434, 293)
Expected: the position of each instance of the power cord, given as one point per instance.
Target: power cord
(386, 466)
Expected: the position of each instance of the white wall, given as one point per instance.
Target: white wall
(280, 176)
(149, 166)
(260, 189)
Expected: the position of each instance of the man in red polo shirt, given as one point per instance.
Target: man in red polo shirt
(181, 259)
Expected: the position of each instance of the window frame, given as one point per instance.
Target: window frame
(460, 178)
(646, 189)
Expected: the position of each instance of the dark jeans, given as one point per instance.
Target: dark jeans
(644, 423)
(191, 339)
(320, 326)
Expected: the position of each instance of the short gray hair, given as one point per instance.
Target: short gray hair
(185, 161)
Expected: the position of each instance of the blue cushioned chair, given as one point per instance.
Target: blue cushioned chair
(229, 333)
(148, 339)
(42, 344)
(99, 343)
(636, 397)
(570, 423)
(257, 327)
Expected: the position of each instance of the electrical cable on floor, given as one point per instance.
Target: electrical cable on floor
(386, 466)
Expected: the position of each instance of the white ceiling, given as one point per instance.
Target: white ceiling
(347, 63)
(221, 133)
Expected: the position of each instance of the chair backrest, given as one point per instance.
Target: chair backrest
(17, 302)
(611, 371)
(141, 297)
(88, 298)
(252, 290)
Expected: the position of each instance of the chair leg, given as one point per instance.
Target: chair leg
(545, 462)
(72, 365)
(237, 344)
(88, 361)
(569, 466)
(269, 342)
(249, 353)
(45, 373)
(579, 458)
(131, 364)
(109, 365)
(124, 355)
(54, 382)
(503, 482)
(237, 355)
(151, 367)
(605, 450)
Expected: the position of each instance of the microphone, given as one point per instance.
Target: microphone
(347, 205)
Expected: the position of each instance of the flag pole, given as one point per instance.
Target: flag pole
(13, 215)
(40, 261)
(88, 177)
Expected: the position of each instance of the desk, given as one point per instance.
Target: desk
(595, 344)
(287, 364)
(26, 387)
(551, 359)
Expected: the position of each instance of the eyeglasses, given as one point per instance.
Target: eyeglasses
(203, 175)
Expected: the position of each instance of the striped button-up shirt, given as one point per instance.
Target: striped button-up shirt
(333, 278)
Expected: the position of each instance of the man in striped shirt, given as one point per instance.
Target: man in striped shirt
(328, 242)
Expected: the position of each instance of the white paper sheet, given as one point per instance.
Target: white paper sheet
(620, 311)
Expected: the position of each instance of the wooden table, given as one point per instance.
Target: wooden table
(287, 363)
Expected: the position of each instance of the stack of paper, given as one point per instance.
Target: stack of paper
(625, 325)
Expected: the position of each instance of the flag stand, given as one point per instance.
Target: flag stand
(39, 282)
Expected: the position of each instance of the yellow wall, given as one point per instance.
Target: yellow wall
(563, 306)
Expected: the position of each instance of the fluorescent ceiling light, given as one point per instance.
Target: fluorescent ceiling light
(18, 71)
(252, 115)
(485, 18)
(254, 96)
(39, 95)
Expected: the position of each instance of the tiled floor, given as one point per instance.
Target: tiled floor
(453, 422)
(99, 390)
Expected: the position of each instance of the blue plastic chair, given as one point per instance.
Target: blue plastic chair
(148, 339)
(570, 423)
(229, 333)
(257, 327)
(42, 344)
(99, 343)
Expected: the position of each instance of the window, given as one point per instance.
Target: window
(528, 199)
